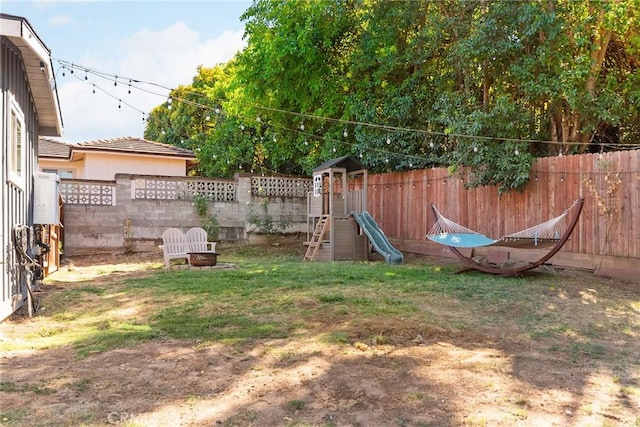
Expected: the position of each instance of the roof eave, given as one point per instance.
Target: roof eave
(39, 70)
(83, 150)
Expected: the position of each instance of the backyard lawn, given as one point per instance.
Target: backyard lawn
(275, 341)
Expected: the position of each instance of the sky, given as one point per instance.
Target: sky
(160, 42)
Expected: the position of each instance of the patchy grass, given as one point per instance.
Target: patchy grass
(532, 344)
(268, 297)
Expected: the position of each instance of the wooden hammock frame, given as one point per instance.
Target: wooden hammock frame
(517, 270)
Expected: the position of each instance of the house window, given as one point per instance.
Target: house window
(17, 151)
(62, 173)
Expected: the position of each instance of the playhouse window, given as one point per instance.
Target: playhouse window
(317, 186)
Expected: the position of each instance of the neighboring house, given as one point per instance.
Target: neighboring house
(30, 109)
(103, 159)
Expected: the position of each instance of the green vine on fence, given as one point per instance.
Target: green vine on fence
(607, 202)
(264, 223)
(210, 222)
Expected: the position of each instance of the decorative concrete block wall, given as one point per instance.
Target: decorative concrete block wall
(131, 213)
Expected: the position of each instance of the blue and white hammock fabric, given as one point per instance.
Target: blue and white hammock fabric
(547, 234)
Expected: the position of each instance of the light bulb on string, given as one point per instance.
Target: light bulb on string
(431, 143)
(334, 149)
(345, 133)
(516, 152)
(475, 148)
(94, 88)
(119, 103)
(217, 111)
(388, 140)
(242, 126)
(258, 119)
(115, 81)
(275, 139)
(129, 87)
(71, 69)
(302, 126)
(85, 75)
(207, 117)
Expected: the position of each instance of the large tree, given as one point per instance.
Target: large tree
(405, 84)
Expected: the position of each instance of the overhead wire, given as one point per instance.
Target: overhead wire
(166, 92)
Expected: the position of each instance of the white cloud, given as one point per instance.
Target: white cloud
(61, 21)
(168, 58)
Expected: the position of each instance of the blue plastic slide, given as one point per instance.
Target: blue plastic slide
(377, 238)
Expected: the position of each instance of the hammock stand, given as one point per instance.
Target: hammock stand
(553, 233)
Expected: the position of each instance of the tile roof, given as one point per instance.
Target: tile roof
(134, 145)
(53, 149)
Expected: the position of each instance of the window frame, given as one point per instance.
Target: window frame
(17, 144)
(317, 185)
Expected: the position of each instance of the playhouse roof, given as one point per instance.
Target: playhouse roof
(345, 162)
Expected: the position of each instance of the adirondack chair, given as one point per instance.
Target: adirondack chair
(173, 246)
(196, 241)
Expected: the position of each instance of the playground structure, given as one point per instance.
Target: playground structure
(338, 226)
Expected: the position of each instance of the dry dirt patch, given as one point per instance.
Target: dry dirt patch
(410, 376)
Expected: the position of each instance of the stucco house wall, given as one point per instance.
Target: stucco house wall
(104, 166)
(103, 159)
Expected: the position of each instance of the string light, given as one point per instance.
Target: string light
(345, 133)
(71, 66)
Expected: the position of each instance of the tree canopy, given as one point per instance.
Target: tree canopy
(413, 84)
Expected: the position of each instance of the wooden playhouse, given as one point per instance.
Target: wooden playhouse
(339, 188)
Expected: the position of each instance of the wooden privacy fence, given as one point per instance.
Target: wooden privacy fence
(609, 182)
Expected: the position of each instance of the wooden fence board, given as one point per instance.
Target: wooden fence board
(401, 202)
(634, 184)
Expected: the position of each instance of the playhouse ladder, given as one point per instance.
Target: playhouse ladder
(316, 240)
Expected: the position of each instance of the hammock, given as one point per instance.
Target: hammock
(550, 234)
